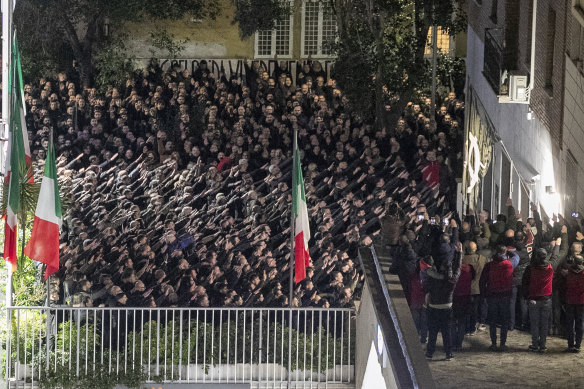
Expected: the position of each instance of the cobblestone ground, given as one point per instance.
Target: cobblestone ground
(476, 367)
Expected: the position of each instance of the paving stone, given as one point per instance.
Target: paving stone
(478, 368)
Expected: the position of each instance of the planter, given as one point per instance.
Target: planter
(241, 372)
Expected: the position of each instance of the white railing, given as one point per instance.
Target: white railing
(265, 347)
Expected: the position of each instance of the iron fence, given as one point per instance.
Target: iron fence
(266, 347)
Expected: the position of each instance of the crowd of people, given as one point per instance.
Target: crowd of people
(176, 186)
(510, 273)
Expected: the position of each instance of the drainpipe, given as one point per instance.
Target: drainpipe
(532, 64)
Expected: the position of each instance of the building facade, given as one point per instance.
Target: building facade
(525, 92)
(306, 34)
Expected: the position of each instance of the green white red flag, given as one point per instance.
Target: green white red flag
(18, 158)
(43, 245)
(301, 225)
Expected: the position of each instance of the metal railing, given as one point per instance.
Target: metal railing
(266, 347)
(493, 66)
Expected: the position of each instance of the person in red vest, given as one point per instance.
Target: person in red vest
(496, 284)
(574, 294)
(537, 290)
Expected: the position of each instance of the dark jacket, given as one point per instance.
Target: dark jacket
(524, 260)
(392, 227)
(440, 284)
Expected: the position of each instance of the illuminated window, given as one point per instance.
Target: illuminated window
(442, 41)
(319, 29)
(278, 41)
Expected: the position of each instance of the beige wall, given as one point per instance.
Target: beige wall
(207, 38)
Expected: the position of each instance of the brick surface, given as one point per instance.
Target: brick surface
(514, 17)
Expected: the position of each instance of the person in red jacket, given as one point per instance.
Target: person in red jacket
(496, 284)
(575, 304)
(537, 290)
(431, 170)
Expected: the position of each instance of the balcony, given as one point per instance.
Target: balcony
(493, 65)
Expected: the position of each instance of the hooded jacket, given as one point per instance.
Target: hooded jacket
(440, 284)
(497, 230)
(575, 285)
(444, 252)
(538, 277)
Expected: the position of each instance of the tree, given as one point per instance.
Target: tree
(380, 51)
(379, 48)
(78, 28)
(256, 15)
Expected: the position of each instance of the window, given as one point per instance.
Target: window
(319, 29)
(278, 41)
(550, 49)
(442, 41)
(505, 180)
(494, 6)
(576, 45)
(571, 197)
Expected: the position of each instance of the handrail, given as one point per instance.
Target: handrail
(394, 319)
(410, 369)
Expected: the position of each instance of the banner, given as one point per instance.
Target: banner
(480, 137)
(236, 67)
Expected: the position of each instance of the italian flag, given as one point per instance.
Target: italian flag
(301, 226)
(18, 158)
(43, 245)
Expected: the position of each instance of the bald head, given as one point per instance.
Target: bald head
(472, 247)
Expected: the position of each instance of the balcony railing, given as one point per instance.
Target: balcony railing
(259, 347)
(493, 62)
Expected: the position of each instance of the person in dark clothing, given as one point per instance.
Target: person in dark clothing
(417, 297)
(496, 284)
(537, 288)
(462, 305)
(405, 262)
(574, 298)
(440, 288)
(517, 299)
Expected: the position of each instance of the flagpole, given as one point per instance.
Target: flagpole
(7, 9)
(6, 56)
(292, 221)
(292, 239)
